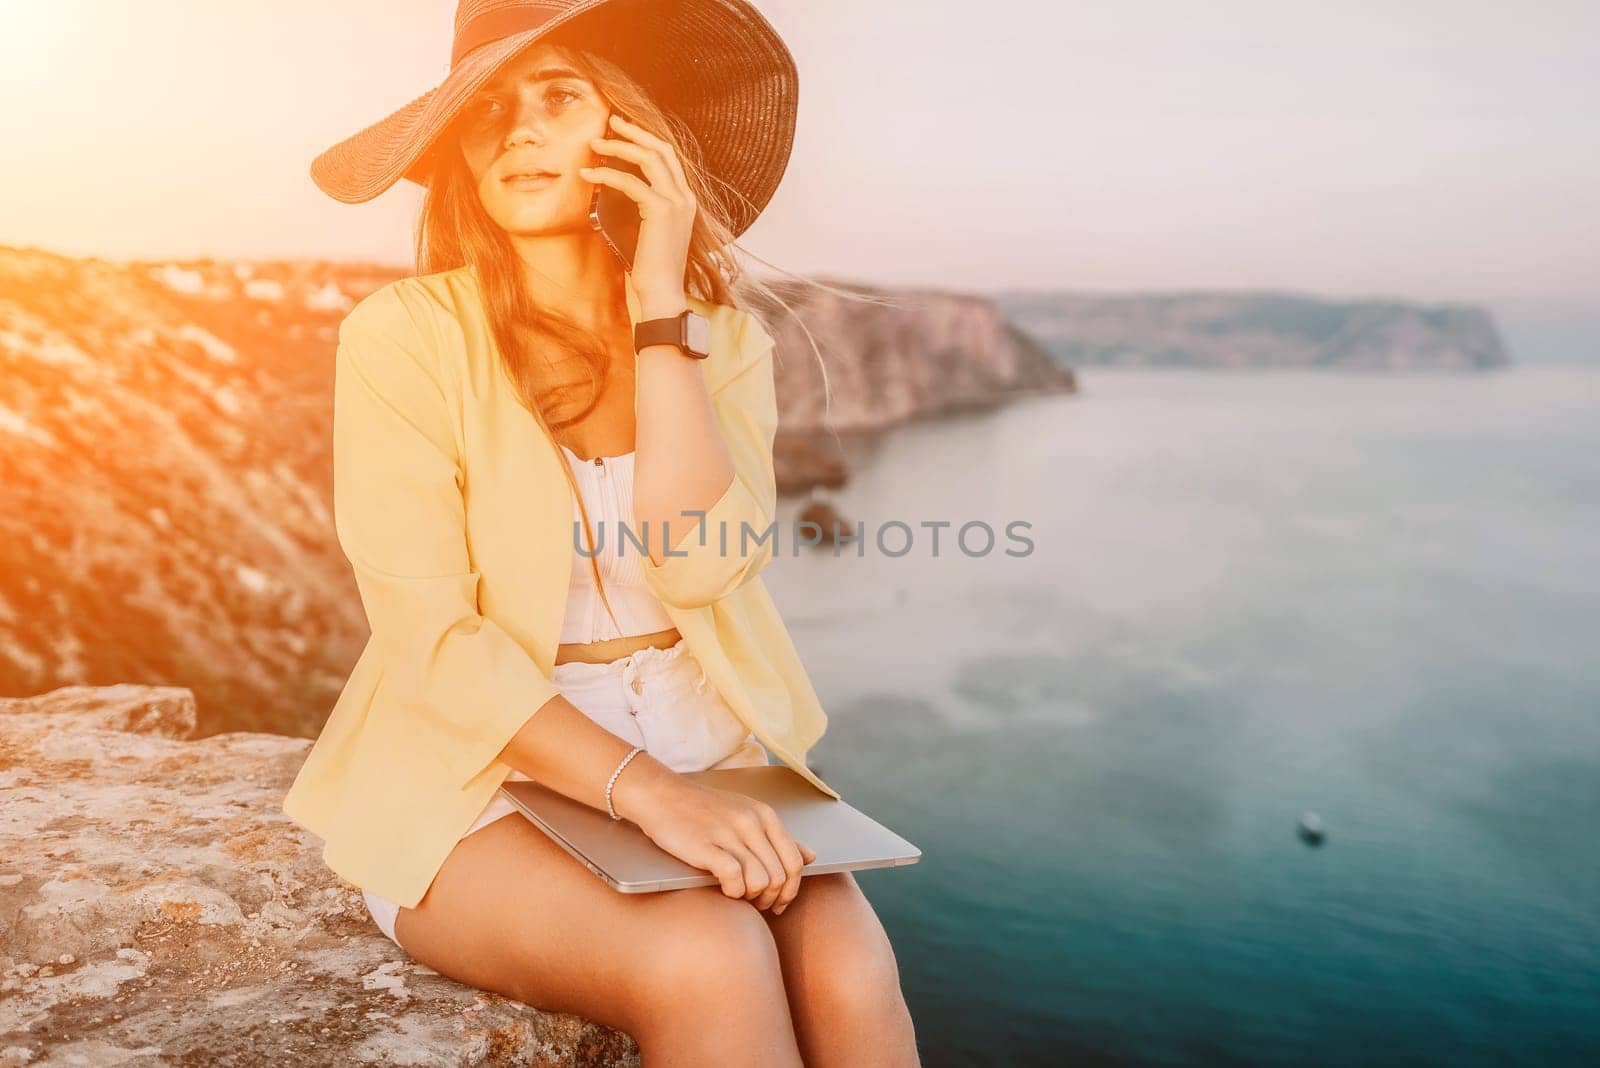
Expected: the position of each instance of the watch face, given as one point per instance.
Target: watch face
(697, 328)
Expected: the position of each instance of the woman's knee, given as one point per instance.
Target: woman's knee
(710, 945)
(856, 978)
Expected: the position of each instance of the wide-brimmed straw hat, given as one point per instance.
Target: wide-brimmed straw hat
(717, 65)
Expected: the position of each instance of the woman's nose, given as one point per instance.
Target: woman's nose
(527, 124)
(524, 133)
(521, 134)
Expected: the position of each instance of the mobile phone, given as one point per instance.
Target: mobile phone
(615, 215)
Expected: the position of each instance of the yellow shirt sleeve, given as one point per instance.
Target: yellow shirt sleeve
(400, 519)
(734, 540)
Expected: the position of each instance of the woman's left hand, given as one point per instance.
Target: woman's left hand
(666, 209)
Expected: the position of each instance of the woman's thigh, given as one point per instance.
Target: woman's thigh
(513, 913)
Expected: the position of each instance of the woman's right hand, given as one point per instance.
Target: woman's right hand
(735, 837)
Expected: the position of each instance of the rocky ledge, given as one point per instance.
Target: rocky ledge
(156, 906)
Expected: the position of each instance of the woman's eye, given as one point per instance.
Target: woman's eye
(490, 107)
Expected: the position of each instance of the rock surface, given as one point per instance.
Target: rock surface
(156, 907)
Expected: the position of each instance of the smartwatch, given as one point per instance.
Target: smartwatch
(688, 330)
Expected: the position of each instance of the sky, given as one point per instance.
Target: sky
(1403, 149)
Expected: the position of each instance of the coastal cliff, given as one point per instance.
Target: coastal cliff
(1266, 329)
(156, 903)
(888, 357)
(165, 484)
(165, 436)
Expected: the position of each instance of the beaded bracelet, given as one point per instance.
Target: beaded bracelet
(636, 751)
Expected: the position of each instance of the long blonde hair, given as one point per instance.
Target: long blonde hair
(454, 230)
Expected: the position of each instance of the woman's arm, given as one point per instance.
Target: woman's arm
(686, 464)
(401, 521)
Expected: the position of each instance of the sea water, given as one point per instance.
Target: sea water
(1250, 596)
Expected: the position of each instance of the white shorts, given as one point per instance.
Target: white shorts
(660, 699)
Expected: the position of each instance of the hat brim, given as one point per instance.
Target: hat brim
(717, 65)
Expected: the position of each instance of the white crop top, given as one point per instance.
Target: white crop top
(606, 483)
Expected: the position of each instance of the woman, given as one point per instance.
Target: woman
(510, 396)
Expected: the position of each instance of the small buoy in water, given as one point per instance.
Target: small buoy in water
(1312, 830)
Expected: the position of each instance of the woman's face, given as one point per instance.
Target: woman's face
(536, 114)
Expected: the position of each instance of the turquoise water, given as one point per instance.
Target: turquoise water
(1251, 595)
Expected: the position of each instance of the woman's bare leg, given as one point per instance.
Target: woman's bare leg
(842, 978)
(692, 975)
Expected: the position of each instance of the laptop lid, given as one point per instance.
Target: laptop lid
(843, 837)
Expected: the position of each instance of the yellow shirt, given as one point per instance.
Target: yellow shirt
(452, 507)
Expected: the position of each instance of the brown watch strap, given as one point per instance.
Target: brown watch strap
(673, 330)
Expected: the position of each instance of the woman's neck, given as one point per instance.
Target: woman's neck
(578, 280)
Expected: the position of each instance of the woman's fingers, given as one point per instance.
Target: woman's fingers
(777, 881)
(753, 874)
(809, 855)
(773, 844)
(768, 874)
(728, 867)
(661, 146)
(661, 177)
(636, 188)
(789, 852)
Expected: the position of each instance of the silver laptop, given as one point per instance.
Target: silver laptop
(842, 837)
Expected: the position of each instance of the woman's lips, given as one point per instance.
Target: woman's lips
(528, 181)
